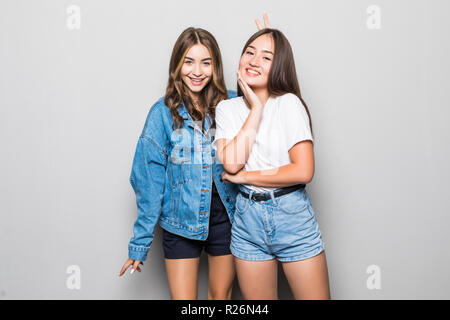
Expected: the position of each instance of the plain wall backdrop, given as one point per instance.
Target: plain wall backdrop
(74, 101)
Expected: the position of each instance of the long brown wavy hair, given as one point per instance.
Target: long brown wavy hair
(282, 74)
(176, 91)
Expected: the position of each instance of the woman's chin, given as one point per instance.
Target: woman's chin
(195, 89)
(252, 82)
(255, 85)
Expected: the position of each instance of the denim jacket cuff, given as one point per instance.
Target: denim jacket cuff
(138, 253)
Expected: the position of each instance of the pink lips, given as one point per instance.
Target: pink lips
(197, 82)
(251, 74)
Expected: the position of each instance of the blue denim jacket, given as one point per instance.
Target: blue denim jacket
(172, 176)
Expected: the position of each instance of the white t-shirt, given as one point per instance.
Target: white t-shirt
(284, 122)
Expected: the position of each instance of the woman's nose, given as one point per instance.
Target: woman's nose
(197, 71)
(254, 61)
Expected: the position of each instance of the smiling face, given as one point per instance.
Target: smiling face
(256, 62)
(196, 70)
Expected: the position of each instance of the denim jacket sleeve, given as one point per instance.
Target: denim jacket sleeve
(148, 180)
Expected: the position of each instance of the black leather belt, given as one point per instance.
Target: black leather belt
(278, 192)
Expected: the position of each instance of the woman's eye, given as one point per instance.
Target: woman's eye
(249, 52)
(267, 58)
(188, 62)
(207, 63)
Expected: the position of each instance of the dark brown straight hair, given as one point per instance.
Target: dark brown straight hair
(282, 75)
(176, 91)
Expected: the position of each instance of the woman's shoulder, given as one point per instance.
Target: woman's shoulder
(159, 110)
(159, 113)
(234, 102)
(291, 102)
(157, 122)
(160, 105)
(289, 98)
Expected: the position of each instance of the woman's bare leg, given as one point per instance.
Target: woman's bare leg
(221, 276)
(308, 278)
(257, 279)
(183, 275)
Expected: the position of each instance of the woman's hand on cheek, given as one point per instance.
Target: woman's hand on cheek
(238, 178)
(249, 94)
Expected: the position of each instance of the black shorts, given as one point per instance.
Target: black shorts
(217, 243)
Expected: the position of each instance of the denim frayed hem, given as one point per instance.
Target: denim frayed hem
(314, 253)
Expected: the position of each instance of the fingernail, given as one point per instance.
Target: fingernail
(132, 270)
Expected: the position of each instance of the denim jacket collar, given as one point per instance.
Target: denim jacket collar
(191, 123)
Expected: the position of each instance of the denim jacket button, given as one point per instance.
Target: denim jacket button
(228, 200)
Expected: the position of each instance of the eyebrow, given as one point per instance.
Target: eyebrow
(268, 51)
(202, 59)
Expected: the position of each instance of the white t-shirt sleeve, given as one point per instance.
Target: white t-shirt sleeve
(295, 120)
(225, 123)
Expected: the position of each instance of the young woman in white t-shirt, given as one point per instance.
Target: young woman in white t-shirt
(264, 140)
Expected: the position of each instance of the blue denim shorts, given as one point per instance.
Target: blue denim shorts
(284, 228)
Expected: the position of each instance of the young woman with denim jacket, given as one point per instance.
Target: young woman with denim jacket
(264, 140)
(176, 178)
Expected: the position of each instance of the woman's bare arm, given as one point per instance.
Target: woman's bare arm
(234, 153)
(300, 170)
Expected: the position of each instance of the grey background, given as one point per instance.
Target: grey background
(73, 103)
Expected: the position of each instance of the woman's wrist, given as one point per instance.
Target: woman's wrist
(245, 177)
(256, 109)
(256, 106)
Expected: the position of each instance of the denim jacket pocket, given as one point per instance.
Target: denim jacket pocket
(180, 166)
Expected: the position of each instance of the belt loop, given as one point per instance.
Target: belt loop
(250, 195)
(273, 197)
